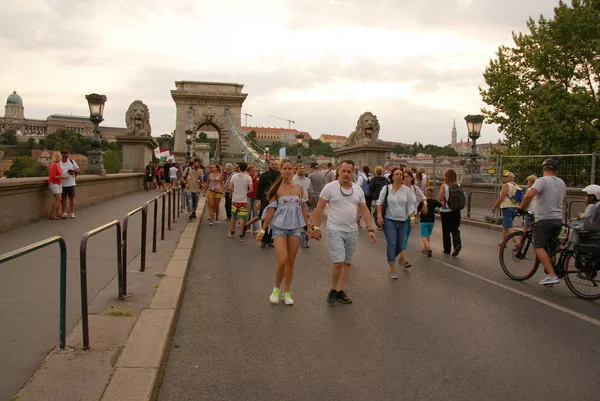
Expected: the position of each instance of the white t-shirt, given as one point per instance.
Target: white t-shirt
(304, 183)
(342, 206)
(242, 184)
(64, 167)
(173, 173)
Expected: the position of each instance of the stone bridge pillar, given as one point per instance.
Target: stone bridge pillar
(202, 104)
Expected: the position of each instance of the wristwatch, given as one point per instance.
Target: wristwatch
(315, 228)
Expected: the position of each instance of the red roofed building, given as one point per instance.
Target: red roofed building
(44, 156)
(335, 141)
(268, 134)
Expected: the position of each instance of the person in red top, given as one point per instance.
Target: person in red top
(55, 176)
(254, 204)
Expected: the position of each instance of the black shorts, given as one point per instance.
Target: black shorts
(543, 230)
(166, 179)
(68, 191)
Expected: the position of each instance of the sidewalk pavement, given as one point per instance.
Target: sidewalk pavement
(29, 284)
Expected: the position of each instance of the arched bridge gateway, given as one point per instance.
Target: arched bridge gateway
(218, 105)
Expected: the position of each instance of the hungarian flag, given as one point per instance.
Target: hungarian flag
(162, 155)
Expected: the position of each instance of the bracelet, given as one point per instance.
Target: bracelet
(262, 231)
(412, 217)
(372, 231)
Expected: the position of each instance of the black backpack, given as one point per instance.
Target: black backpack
(377, 184)
(456, 197)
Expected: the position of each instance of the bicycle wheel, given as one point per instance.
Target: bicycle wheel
(585, 283)
(518, 261)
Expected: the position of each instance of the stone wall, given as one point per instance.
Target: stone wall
(23, 200)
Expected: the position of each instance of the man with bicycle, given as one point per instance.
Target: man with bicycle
(549, 192)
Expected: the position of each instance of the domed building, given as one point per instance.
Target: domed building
(14, 119)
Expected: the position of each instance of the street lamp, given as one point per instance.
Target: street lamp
(267, 154)
(300, 142)
(96, 156)
(189, 134)
(474, 124)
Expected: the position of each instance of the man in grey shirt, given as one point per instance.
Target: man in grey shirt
(317, 182)
(549, 192)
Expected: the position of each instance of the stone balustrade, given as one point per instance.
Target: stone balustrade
(23, 200)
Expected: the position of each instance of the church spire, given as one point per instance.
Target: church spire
(454, 133)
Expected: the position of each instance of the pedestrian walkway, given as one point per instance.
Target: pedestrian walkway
(29, 285)
(449, 328)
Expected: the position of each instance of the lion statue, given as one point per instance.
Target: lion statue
(367, 130)
(137, 119)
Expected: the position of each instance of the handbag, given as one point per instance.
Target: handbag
(385, 202)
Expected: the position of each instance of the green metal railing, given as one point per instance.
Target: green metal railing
(62, 280)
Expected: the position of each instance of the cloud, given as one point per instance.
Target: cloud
(417, 65)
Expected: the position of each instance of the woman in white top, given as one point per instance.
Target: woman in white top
(399, 210)
(418, 197)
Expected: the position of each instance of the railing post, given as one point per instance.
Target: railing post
(173, 205)
(170, 192)
(144, 228)
(62, 324)
(154, 225)
(83, 282)
(593, 177)
(469, 196)
(162, 217)
(120, 265)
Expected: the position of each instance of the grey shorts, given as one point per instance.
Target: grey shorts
(543, 230)
(55, 189)
(342, 245)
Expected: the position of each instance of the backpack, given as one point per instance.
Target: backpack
(517, 196)
(365, 186)
(377, 184)
(456, 197)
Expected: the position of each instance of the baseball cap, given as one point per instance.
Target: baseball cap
(508, 174)
(388, 164)
(314, 164)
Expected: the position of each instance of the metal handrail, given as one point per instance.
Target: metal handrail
(62, 314)
(470, 196)
(83, 274)
(162, 224)
(144, 210)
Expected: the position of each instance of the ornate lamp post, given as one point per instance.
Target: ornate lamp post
(189, 135)
(474, 124)
(300, 142)
(96, 156)
(267, 153)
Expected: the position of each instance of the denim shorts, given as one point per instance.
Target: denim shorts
(342, 245)
(426, 229)
(508, 215)
(286, 232)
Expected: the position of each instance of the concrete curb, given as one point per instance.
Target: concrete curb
(138, 371)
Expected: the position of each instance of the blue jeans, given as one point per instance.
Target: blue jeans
(192, 201)
(395, 236)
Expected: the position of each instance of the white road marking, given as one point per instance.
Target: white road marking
(524, 294)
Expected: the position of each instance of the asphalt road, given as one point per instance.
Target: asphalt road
(29, 285)
(448, 329)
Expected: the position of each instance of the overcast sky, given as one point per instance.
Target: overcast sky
(415, 64)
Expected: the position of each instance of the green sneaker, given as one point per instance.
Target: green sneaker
(274, 298)
(287, 298)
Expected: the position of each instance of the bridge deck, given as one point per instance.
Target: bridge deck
(439, 332)
(29, 285)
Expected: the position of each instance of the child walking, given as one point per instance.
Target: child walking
(427, 210)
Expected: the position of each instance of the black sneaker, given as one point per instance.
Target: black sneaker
(242, 238)
(331, 297)
(342, 297)
(190, 217)
(457, 250)
(194, 215)
(263, 245)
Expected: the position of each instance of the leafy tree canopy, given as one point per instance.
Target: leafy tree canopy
(417, 148)
(26, 166)
(544, 92)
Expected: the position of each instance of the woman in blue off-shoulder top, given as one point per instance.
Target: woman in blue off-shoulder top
(286, 215)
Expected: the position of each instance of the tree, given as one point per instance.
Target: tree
(113, 161)
(251, 135)
(202, 137)
(544, 92)
(26, 166)
(9, 137)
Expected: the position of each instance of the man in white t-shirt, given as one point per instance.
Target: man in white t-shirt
(344, 198)
(68, 184)
(239, 186)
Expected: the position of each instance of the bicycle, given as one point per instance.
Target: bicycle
(578, 264)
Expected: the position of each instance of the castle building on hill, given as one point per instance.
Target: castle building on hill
(26, 128)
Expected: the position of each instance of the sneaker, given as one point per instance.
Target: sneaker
(394, 275)
(549, 280)
(274, 298)
(189, 218)
(457, 250)
(271, 245)
(404, 264)
(263, 245)
(342, 297)
(72, 215)
(216, 221)
(242, 238)
(231, 234)
(210, 222)
(429, 253)
(331, 298)
(63, 216)
(287, 298)
(194, 215)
